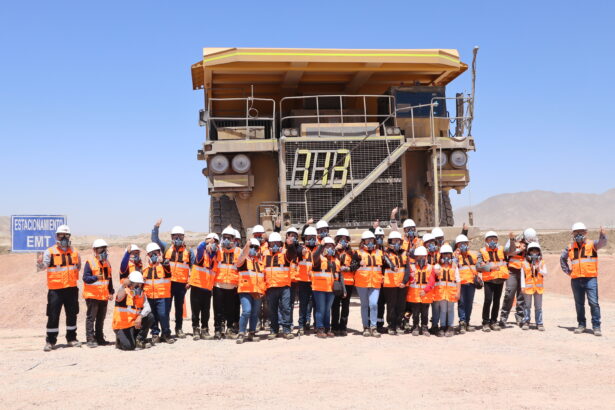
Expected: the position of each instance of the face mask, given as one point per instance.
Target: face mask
(252, 252)
(260, 239)
(579, 237)
(153, 258)
(379, 241)
(135, 258)
(344, 243)
(275, 248)
(64, 242)
(323, 235)
(178, 242)
(421, 262)
(440, 241)
(463, 247)
(295, 240)
(103, 256)
(411, 234)
(137, 290)
(214, 247)
(534, 258)
(446, 260)
(493, 244)
(311, 242)
(330, 251)
(432, 247)
(227, 243)
(371, 246)
(396, 247)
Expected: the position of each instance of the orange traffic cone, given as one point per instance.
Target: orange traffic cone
(185, 311)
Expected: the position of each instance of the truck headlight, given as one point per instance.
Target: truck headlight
(459, 158)
(441, 159)
(219, 164)
(241, 163)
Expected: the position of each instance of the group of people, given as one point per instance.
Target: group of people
(401, 274)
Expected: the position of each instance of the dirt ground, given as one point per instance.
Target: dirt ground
(508, 369)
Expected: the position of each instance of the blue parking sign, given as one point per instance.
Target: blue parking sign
(34, 233)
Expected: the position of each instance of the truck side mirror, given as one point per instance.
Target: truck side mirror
(202, 118)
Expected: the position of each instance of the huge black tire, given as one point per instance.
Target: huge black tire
(223, 212)
(446, 210)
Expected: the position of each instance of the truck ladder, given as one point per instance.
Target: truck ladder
(367, 181)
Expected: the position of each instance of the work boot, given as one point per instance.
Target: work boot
(495, 327)
(306, 330)
(470, 328)
(196, 333)
(366, 332)
(541, 328)
(218, 335)
(433, 330)
(180, 334)
(155, 339)
(374, 332)
(425, 331)
(74, 343)
(343, 333)
(486, 328)
(300, 331)
(580, 329)
(92, 344)
(320, 333)
(597, 331)
(502, 324)
(381, 329)
(241, 338)
(167, 339)
(392, 332)
(102, 342)
(48, 347)
(449, 332)
(525, 326)
(252, 337)
(205, 334)
(440, 333)
(289, 336)
(329, 333)
(272, 335)
(415, 331)
(462, 327)
(142, 344)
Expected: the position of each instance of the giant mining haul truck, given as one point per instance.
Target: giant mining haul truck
(335, 134)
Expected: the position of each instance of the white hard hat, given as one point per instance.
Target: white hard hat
(151, 247)
(135, 277)
(236, 234)
(213, 235)
(409, 223)
(378, 231)
(322, 224)
(275, 237)
(446, 248)
(490, 234)
(254, 242)
(328, 240)
(437, 233)
(310, 231)
(579, 226)
(461, 238)
(177, 230)
(368, 235)
(534, 245)
(394, 235)
(530, 235)
(134, 247)
(420, 251)
(99, 243)
(258, 229)
(63, 229)
(228, 231)
(342, 232)
(292, 229)
(428, 237)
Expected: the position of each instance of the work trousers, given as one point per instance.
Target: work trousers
(95, 319)
(341, 309)
(279, 300)
(395, 300)
(466, 299)
(56, 299)
(126, 338)
(580, 288)
(537, 297)
(225, 306)
(420, 313)
(178, 296)
(512, 291)
(161, 307)
(493, 293)
(200, 302)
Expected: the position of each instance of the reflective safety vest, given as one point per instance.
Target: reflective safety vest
(63, 271)
(584, 260)
(226, 270)
(370, 275)
(157, 282)
(446, 285)
(98, 290)
(421, 280)
(467, 266)
(534, 281)
(304, 268)
(179, 259)
(407, 244)
(128, 310)
(516, 261)
(252, 278)
(345, 259)
(131, 268)
(497, 259)
(394, 277)
(201, 276)
(322, 279)
(277, 270)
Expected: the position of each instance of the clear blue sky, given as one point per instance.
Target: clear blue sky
(98, 117)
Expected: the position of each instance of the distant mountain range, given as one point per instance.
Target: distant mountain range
(542, 210)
